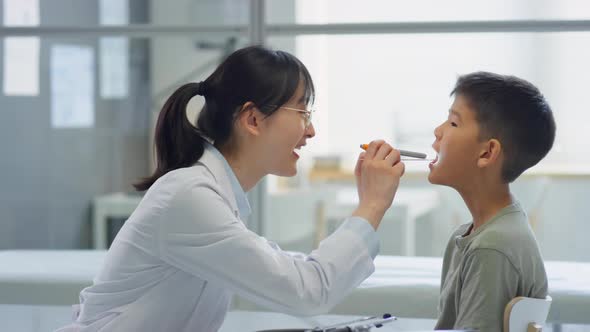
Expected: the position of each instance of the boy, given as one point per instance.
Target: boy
(497, 127)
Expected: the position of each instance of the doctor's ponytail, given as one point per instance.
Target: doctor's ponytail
(177, 142)
(253, 74)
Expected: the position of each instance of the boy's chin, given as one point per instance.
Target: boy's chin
(432, 178)
(438, 183)
(435, 179)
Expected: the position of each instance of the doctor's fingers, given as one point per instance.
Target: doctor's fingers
(399, 169)
(373, 148)
(393, 157)
(359, 164)
(383, 151)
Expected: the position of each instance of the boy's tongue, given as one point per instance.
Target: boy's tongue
(434, 161)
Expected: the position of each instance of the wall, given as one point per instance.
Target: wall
(49, 176)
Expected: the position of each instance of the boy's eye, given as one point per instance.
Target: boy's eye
(453, 124)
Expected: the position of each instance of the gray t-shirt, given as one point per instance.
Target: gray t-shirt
(486, 269)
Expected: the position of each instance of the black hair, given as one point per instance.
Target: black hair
(256, 74)
(513, 111)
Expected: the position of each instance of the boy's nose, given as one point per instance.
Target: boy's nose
(438, 132)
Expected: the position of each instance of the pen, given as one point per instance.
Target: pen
(358, 325)
(404, 153)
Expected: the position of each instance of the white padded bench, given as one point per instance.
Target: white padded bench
(403, 286)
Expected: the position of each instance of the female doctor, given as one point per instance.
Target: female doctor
(185, 251)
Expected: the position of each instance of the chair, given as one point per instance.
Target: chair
(525, 314)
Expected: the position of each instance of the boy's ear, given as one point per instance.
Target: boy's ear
(490, 153)
(250, 118)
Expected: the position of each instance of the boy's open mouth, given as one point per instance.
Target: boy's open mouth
(433, 162)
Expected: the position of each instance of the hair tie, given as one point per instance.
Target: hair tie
(201, 88)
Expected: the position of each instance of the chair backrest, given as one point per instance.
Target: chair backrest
(525, 314)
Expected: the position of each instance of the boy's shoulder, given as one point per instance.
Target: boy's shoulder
(508, 232)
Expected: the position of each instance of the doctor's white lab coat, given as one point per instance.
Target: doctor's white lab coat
(184, 252)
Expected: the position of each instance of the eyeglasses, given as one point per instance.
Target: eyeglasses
(306, 113)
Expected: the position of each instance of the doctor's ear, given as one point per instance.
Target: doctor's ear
(490, 153)
(250, 118)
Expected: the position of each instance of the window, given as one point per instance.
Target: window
(385, 69)
(382, 69)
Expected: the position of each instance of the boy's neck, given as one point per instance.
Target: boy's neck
(485, 201)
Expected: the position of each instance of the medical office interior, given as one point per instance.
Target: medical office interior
(83, 81)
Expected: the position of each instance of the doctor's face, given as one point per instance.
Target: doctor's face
(289, 129)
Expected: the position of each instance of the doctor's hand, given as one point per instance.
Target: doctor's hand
(378, 171)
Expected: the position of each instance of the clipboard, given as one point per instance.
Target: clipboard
(363, 324)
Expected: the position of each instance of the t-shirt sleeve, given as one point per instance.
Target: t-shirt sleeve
(489, 282)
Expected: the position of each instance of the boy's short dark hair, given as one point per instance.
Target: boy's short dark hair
(513, 111)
